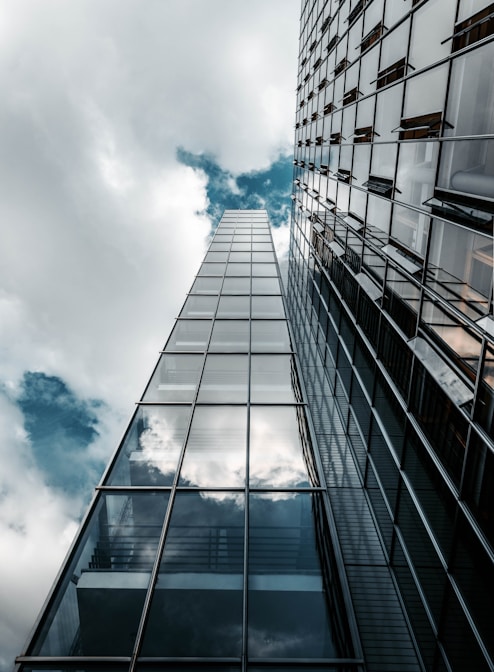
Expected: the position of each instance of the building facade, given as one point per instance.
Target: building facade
(208, 544)
(390, 295)
(307, 482)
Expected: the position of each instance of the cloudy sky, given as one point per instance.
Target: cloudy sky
(126, 126)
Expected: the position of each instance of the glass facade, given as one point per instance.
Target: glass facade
(390, 298)
(313, 490)
(209, 543)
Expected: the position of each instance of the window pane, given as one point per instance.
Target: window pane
(288, 601)
(216, 256)
(224, 379)
(240, 256)
(234, 306)
(207, 286)
(271, 379)
(196, 608)
(236, 286)
(262, 247)
(230, 336)
(460, 267)
(175, 378)
(241, 247)
(238, 269)
(94, 613)
(270, 336)
(265, 286)
(267, 306)
(189, 335)
(212, 269)
(152, 445)
(215, 452)
(279, 447)
(263, 256)
(199, 306)
(264, 270)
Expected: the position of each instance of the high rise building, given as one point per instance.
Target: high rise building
(209, 541)
(390, 298)
(313, 490)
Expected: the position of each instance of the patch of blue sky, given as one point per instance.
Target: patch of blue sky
(61, 427)
(269, 188)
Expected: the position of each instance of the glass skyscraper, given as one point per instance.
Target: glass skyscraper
(307, 482)
(390, 298)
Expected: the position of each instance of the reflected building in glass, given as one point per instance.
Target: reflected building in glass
(390, 298)
(208, 545)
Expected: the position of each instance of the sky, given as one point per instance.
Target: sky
(126, 127)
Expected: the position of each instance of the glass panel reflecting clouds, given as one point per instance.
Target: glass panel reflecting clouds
(97, 612)
(152, 445)
(278, 447)
(175, 378)
(215, 452)
(197, 605)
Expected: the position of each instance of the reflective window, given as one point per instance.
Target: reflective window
(288, 601)
(212, 269)
(240, 256)
(207, 286)
(229, 335)
(215, 454)
(431, 27)
(267, 306)
(197, 605)
(224, 379)
(272, 379)
(284, 430)
(425, 93)
(467, 166)
(238, 269)
(416, 172)
(189, 335)
(262, 247)
(470, 108)
(236, 286)
(175, 378)
(219, 247)
(216, 256)
(264, 270)
(94, 612)
(151, 448)
(265, 286)
(270, 336)
(241, 247)
(411, 228)
(460, 267)
(199, 306)
(263, 256)
(234, 306)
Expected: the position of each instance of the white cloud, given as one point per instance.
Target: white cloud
(36, 528)
(102, 229)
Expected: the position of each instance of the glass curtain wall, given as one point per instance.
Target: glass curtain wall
(390, 292)
(208, 545)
